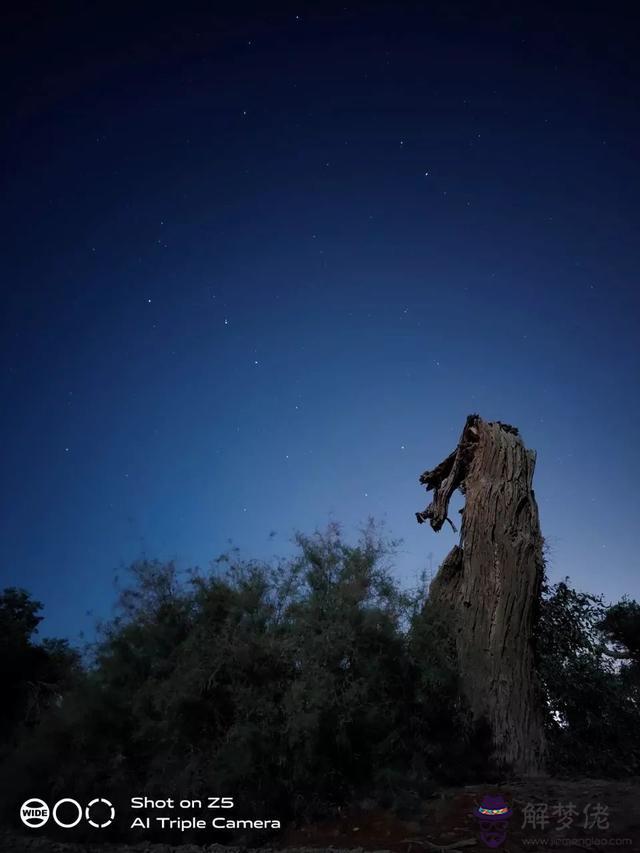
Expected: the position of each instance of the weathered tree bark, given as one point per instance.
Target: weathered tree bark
(490, 585)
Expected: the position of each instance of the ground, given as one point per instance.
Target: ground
(444, 822)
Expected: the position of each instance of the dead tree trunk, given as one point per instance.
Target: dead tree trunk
(490, 584)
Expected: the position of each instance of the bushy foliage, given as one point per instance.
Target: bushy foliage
(33, 674)
(621, 627)
(300, 684)
(593, 693)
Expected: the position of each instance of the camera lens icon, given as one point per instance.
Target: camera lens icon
(76, 805)
(111, 812)
(34, 813)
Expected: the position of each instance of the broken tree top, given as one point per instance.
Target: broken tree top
(450, 474)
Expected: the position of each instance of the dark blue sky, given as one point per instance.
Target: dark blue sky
(259, 265)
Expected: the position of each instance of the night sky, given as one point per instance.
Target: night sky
(259, 263)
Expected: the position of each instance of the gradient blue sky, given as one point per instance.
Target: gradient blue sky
(259, 265)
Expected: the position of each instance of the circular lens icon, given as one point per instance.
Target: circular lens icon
(110, 808)
(73, 803)
(34, 813)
